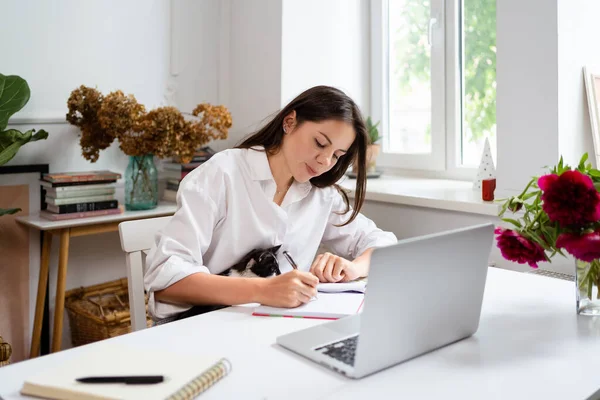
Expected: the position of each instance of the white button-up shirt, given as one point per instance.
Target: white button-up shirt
(225, 209)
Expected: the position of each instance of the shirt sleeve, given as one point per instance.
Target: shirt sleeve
(179, 246)
(350, 241)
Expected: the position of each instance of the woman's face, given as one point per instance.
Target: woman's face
(313, 148)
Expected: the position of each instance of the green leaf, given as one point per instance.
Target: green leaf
(372, 131)
(12, 140)
(513, 221)
(560, 164)
(536, 238)
(503, 209)
(6, 211)
(14, 94)
(547, 234)
(582, 162)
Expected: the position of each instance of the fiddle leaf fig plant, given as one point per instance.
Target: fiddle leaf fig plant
(14, 95)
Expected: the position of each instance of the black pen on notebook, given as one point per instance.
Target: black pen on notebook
(129, 380)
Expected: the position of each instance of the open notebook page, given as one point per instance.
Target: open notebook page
(59, 381)
(325, 306)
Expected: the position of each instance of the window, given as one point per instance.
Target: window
(434, 82)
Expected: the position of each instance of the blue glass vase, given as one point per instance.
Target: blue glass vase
(141, 183)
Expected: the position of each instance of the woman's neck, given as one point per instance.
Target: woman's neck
(280, 171)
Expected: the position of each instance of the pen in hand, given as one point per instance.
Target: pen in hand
(290, 259)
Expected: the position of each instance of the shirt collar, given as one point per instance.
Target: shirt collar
(256, 157)
(259, 164)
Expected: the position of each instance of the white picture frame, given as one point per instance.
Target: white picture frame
(591, 77)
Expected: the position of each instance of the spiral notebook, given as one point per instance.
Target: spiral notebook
(185, 375)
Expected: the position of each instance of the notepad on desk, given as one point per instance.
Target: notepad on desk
(359, 286)
(325, 306)
(185, 376)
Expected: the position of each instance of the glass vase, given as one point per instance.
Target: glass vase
(587, 277)
(141, 183)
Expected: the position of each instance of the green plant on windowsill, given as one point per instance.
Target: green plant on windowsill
(373, 131)
(14, 95)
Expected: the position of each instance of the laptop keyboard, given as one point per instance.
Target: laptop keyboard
(343, 350)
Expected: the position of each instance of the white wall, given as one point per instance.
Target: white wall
(542, 110)
(255, 64)
(527, 92)
(57, 46)
(194, 52)
(326, 43)
(578, 30)
(105, 44)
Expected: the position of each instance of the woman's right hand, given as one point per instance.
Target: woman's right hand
(288, 290)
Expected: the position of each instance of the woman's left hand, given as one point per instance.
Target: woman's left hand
(331, 268)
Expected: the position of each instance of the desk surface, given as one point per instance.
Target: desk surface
(530, 345)
(43, 224)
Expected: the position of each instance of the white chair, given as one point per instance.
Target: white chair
(137, 237)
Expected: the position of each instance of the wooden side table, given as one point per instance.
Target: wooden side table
(66, 230)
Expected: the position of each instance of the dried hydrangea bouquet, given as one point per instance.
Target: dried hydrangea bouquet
(162, 132)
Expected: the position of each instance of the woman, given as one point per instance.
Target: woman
(278, 187)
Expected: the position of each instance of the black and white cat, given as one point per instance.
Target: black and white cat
(259, 263)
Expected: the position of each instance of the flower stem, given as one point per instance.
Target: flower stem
(135, 177)
(595, 265)
(526, 188)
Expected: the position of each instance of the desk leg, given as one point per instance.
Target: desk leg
(41, 296)
(61, 282)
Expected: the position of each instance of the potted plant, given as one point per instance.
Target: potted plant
(14, 95)
(373, 148)
(162, 132)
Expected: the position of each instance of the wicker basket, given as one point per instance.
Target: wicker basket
(99, 312)
(5, 352)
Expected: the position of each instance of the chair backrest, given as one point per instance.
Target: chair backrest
(136, 237)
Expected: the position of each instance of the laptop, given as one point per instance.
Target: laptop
(423, 293)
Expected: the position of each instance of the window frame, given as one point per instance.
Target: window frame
(445, 160)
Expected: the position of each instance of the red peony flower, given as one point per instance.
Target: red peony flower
(515, 247)
(570, 199)
(584, 247)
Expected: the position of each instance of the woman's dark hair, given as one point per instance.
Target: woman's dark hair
(318, 104)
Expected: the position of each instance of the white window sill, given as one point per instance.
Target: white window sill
(440, 194)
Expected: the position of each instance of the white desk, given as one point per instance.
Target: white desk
(67, 229)
(530, 345)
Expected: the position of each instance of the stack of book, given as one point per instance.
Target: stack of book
(80, 194)
(175, 171)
